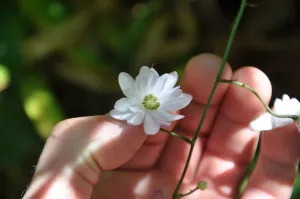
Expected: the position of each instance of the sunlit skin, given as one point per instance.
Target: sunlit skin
(100, 157)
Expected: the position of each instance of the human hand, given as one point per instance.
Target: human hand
(99, 157)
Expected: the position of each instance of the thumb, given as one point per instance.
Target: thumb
(77, 151)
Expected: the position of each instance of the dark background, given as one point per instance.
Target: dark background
(60, 59)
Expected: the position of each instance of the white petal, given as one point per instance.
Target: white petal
(121, 115)
(170, 95)
(142, 85)
(278, 106)
(292, 107)
(144, 71)
(166, 116)
(171, 81)
(122, 104)
(154, 72)
(160, 83)
(262, 123)
(130, 92)
(153, 77)
(296, 106)
(286, 106)
(136, 109)
(285, 98)
(178, 103)
(278, 122)
(137, 119)
(174, 93)
(295, 103)
(164, 124)
(125, 81)
(151, 126)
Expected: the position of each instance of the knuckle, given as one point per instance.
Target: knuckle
(61, 127)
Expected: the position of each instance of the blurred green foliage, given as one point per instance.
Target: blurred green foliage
(60, 59)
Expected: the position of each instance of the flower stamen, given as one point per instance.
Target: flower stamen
(151, 102)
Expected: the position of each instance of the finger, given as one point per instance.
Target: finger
(78, 150)
(148, 154)
(276, 169)
(198, 80)
(232, 144)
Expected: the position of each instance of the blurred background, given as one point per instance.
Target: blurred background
(61, 58)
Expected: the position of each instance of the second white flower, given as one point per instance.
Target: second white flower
(286, 106)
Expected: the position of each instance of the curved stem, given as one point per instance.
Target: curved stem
(225, 57)
(177, 135)
(186, 194)
(294, 117)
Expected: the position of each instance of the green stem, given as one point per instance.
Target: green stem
(294, 117)
(225, 57)
(177, 135)
(186, 194)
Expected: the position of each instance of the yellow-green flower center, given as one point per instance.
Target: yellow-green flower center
(151, 102)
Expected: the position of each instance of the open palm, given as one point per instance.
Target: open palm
(99, 157)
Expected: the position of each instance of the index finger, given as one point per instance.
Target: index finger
(77, 151)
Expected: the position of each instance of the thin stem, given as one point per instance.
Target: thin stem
(225, 57)
(294, 117)
(186, 194)
(177, 135)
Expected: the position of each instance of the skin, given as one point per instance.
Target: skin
(100, 157)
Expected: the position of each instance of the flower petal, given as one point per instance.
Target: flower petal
(153, 76)
(278, 106)
(166, 116)
(171, 81)
(286, 106)
(130, 92)
(164, 124)
(295, 103)
(137, 119)
(174, 93)
(278, 122)
(122, 104)
(151, 126)
(178, 103)
(142, 85)
(127, 85)
(160, 84)
(154, 72)
(285, 98)
(170, 95)
(144, 71)
(136, 109)
(296, 106)
(125, 81)
(121, 115)
(262, 123)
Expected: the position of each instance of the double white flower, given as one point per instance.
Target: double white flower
(150, 99)
(286, 106)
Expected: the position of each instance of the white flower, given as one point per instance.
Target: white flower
(286, 106)
(150, 99)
